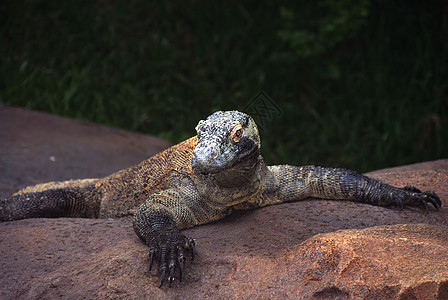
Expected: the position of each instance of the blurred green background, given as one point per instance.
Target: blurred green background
(359, 84)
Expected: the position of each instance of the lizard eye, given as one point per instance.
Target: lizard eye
(237, 133)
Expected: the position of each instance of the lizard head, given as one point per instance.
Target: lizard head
(226, 139)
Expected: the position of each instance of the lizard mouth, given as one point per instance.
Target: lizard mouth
(205, 161)
(206, 167)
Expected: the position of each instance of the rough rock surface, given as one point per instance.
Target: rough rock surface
(37, 147)
(309, 249)
(380, 262)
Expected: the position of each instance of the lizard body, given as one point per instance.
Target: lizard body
(198, 181)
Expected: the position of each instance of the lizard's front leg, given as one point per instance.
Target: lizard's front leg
(295, 183)
(160, 218)
(157, 222)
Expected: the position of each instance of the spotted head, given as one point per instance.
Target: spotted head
(225, 139)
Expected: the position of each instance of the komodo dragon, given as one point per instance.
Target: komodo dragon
(198, 181)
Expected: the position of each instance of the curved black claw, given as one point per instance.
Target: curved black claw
(172, 265)
(170, 248)
(399, 203)
(426, 198)
(181, 263)
(152, 253)
(162, 264)
(191, 245)
(433, 199)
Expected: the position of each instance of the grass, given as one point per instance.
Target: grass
(360, 85)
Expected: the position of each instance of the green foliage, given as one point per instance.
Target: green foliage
(337, 21)
(361, 84)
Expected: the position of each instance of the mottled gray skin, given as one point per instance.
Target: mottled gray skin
(198, 181)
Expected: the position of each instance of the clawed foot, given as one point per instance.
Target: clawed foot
(414, 196)
(170, 248)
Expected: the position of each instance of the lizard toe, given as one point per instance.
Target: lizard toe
(172, 266)
(170, 248)
(411, 188)
(425, 199)
(152, 253)
(433, 199)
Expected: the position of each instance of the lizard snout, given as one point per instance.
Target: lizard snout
(206, 159)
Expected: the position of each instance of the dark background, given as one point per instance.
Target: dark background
(351, 83)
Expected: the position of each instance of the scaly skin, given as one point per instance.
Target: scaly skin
(198, 181)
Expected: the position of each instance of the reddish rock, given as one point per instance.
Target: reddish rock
(309, 249)
(407, 261)
(37, 147)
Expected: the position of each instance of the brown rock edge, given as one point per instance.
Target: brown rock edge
(309, 249)
(37, 147)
